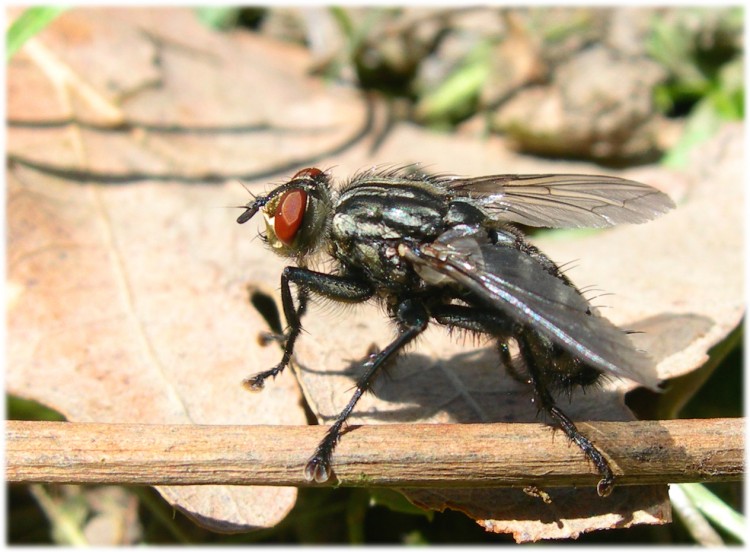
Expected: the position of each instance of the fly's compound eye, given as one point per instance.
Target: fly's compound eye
(296, 213)
(310, 172)
(289, 214)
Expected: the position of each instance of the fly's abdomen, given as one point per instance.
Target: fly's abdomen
(371, 219)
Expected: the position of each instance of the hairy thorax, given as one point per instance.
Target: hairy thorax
(371, 220)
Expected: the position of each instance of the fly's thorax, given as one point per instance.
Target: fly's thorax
(370, 220)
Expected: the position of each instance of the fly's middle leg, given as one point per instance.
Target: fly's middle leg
(412, 319)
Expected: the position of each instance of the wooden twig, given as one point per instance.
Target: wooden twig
(410, 455)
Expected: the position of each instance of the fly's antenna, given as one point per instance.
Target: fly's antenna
(251, 207)
(251, 194)
(250, 210)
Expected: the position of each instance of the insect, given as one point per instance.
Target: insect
(445, 249)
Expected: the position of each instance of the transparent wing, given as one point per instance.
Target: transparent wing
(562, 200)
(516, 284)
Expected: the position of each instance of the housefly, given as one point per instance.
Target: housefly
(446, 249)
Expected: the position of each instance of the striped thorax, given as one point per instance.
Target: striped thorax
(372, 216)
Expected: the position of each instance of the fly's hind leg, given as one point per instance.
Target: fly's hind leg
(535, 352)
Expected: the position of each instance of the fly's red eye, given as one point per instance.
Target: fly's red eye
(310, 172)
(289, 215)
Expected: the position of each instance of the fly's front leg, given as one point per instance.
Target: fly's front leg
(412, 319)
(289, 337)
(281, 337)
(338, 288)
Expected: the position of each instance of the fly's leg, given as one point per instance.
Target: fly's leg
(483, 321)
(474, 319)
(531, 353)
(412, 320)
(288, 338)
(509, 362)
(488, 321)
(282, 337)
(338, 288)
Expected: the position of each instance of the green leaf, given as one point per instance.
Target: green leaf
(397, 502)
(459, 89)
(415, 538)
(729, 97)
(18, 408)
(702, 123)
(219, 17)
(341, 16)
(29, 24)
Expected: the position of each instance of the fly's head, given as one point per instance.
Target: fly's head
(296, 213)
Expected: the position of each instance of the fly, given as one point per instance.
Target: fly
(445, 249)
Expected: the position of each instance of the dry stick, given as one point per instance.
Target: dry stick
(409, 455)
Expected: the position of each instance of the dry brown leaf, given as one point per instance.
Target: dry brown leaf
(123, 309)
(196, 105)
(569, 513)
(128, 303)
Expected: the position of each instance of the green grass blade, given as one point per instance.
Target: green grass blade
(31, 22)
(716, 510)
